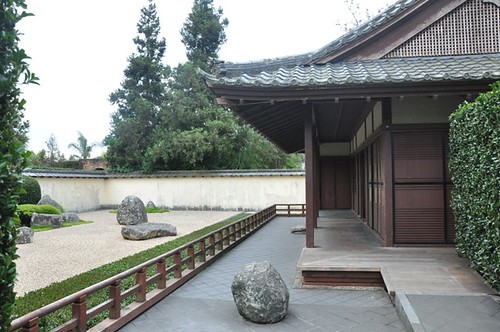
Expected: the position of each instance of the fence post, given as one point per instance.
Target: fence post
(191, 260)
(140, 279)
(203, 251)
(226, 237)
(79, 310)
(161, 269)
(211, 242)
(115, 295)
(178, 265)
(218, 246)
(31, 326)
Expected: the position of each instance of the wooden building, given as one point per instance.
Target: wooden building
(370, 110)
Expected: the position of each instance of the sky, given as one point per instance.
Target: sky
(79, 49)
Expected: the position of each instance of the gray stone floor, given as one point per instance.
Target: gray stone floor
(205, 303)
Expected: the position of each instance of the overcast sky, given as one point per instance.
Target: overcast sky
(79, 49)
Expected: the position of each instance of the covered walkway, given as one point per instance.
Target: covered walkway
(431, 288)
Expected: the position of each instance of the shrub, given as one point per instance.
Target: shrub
(28, 209)
(30, 192)
(475, 168)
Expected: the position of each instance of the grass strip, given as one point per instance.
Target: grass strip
(38, 228)
(41, 297)
(148, 210)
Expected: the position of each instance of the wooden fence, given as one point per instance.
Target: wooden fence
(170, 271)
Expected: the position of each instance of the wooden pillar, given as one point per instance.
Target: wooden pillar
(309, 142)
(387, 173)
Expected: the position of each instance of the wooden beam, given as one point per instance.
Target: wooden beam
(309, 159)
(387, 173)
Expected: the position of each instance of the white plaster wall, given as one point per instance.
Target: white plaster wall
(217, 193)
(424, 109)
(74, 194)
(208, 193)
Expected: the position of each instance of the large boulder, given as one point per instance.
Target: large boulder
(24, 235)
(131, 211)
(70, 217)
(260, 294)
(47, 200)
(148, 231)
(42, 219)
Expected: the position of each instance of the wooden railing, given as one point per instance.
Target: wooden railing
(173, 269)
(291, 210)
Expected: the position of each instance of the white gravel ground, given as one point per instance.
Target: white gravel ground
(58, 254)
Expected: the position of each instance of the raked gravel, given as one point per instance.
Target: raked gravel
(58, 254)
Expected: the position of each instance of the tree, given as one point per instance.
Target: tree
(13, 157)
(54, 155)
(194, 132)
(82, 147)
(203, 32)
(140, 96)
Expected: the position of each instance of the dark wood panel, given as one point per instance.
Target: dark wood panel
(419, 214)
(418, 156)
(343, 278)
(335, 184)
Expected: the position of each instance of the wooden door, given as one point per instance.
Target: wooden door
(335, 184)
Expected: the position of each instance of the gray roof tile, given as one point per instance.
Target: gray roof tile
(422, 69)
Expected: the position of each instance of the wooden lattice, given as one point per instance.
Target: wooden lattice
(472, 28)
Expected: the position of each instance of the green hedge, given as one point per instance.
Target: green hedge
(30, 192)
(475, 167)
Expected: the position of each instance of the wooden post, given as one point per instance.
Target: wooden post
(115, 295)
(218, 245)
(178, 265)
(79, 310)
(31, 326)
(191, 261)
(211, 242)
(203, 251)
(387, 173)
(161, 268)
(309, 156)
(140, 279)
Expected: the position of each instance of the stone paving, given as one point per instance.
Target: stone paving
(205, 303)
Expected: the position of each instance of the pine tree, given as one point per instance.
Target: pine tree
(140, 96)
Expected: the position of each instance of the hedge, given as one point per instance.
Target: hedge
(475, 168)
(31, 191)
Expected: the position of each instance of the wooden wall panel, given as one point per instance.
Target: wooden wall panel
(419, 211)
(335, 184)
(422, 188)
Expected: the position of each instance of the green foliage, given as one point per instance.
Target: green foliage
(30, 192)
(148, 210)
(37, 228)
(140, 96)
(475, 167)
(28, 209)
(203, 32)
(39, 298)
(82, 147)
(13, 157)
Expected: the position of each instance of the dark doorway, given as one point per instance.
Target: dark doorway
(335, 184)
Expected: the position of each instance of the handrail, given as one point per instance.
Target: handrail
(187, 261)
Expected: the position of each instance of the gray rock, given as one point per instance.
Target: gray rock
(260, 294)
(151, 205)
(24, 235)
(148, 231)
(42, 219)
(70, 216)
(131, 211)
(47, 200)
(298, 229)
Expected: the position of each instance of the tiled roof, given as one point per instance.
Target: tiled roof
(423, 69)
(38, 173)
(235, 69)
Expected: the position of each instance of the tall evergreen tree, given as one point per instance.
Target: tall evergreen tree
(140, 96)
(203, 32)
(13, 158)
(194, 132)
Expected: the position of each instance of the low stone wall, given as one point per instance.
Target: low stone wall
(221, 190)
